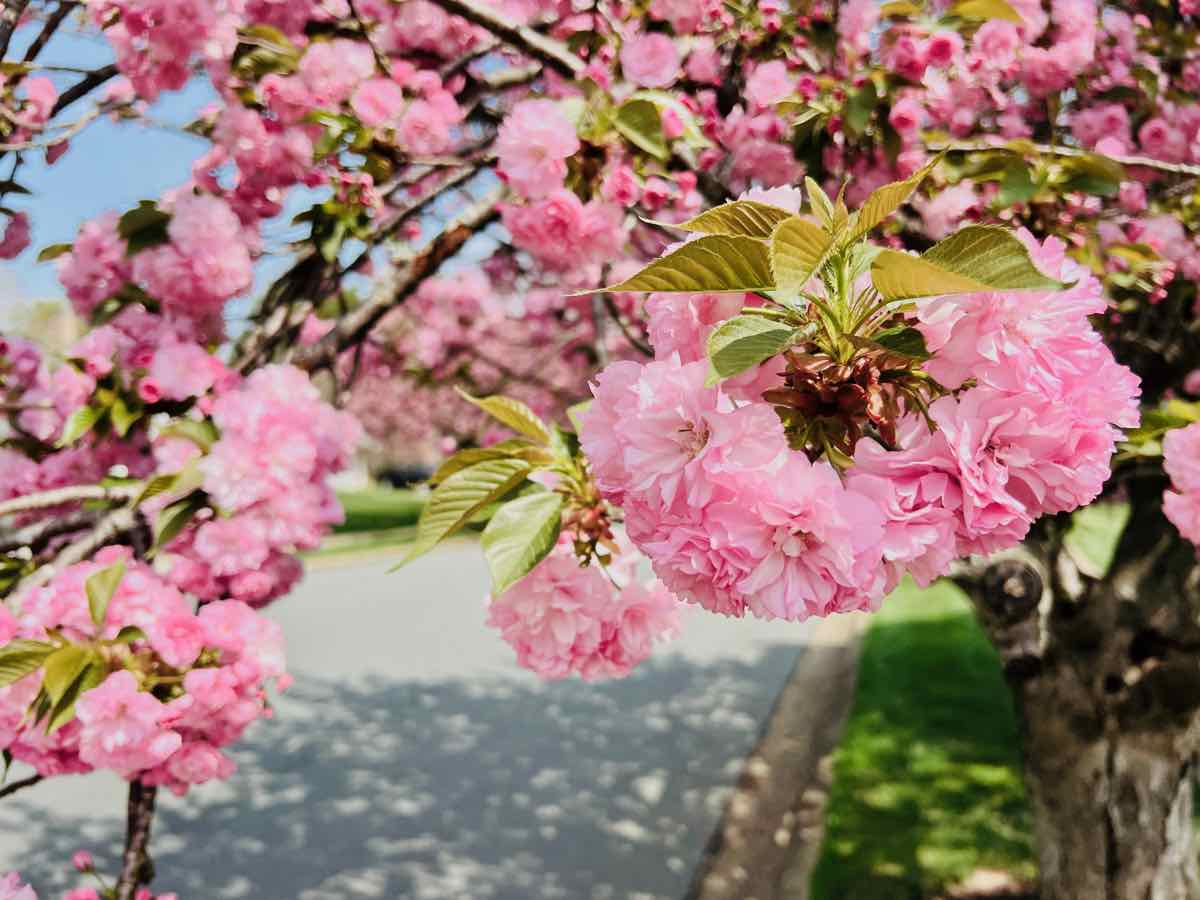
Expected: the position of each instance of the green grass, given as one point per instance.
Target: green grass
(377, 509)
(927, 783)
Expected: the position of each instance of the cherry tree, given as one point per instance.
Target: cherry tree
(792, 298)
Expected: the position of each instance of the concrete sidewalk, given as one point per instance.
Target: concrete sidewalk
(413, 759)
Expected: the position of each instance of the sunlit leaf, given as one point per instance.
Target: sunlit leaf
(716, 263)
(903, 339)
(743, 342)
(517, 448)
(987, 9)
(174, 518)
(520, 535)
(886, 200)
(100, 587)
(513, 413)
(821, 205)
(21, 657)
(977, 258)
(462, 495)
(798, 250)
(62, 667)
(54, 251)
(78, 424)
(745, 218)
(640, 122)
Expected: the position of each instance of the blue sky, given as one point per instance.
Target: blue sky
(109, 165)
(112, 165)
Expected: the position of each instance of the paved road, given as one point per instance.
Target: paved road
(413, 759)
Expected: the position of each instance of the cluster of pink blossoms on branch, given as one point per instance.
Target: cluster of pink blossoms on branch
(736, 521)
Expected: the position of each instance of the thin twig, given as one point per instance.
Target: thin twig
(139, 818)
(65, 134)
(553, 53)
(637, 343)
(10, 789)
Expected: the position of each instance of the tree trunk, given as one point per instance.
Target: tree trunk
(1105, 674)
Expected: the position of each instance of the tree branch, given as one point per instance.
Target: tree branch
(21, 785)
(358, 324)
(553, 53)
(51, 26)
(83, 87)
(109, 530)
(1147, 162)
(10, 16)
(73, 494)
(40, 533)
(135, 865)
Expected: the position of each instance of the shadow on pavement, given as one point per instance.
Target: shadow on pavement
(484, 789)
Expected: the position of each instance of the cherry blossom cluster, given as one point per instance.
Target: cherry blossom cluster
(734, 520)
(563, 618)
(12, 888)
(184, 685)
(267, 476)
(1181, 459)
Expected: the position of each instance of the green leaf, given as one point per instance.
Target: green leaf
(641, 124)
(100, 587)
(174, 518)
(520, 535)
(903, 339)
(743, 218)
(1092, 539)
(987, 9)
(1017, 185)
(513, 413)
(860, 106)
(715, 264)
(1094, 174)
(21, 657)
(123, 418)
(63, 711)
(62, 667)
(977, 258)
(900, 8)
(518, 448)
(741, 343)
(821, 205)
(144, 226)
(798, 250)
(78, 424)
(886, 200)
(129, 634)
(462, 495)
(202, 434)
(54, 251)
(159, 484)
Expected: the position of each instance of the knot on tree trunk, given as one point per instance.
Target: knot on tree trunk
(1012, 590)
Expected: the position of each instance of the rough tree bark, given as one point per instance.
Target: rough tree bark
(1105, 674)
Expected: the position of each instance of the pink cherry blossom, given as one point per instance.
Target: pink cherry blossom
(532, 146)
(122, 727)
(650, 60)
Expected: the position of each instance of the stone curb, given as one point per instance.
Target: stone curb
(769, 836)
